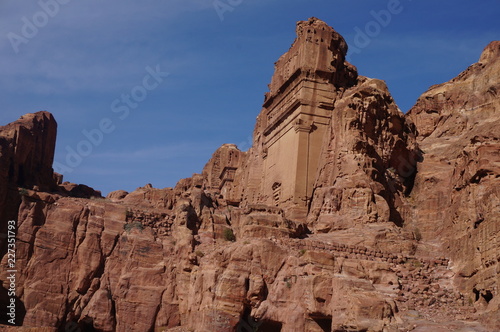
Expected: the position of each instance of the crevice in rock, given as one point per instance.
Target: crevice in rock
(113, 308)
(476, 293)
(157, 310)
(487, 296)
(478, 222)
(87, 325)
(248, 323)
(84, 215)
(325, 323)
(270, 326)
(480, 174)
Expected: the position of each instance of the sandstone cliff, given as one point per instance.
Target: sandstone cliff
(456, 198)
(27, 153)
(345, 215)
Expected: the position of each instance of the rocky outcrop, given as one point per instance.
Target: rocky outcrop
(26, 156)
(282, 163)
(79, 190)
(456, 198)
(219, 174)
(28, 151)
(345, 215)
(368, 161)
(117, 195)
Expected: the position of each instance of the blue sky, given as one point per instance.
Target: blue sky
(80, 60)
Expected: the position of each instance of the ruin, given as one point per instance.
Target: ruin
(296, 113)
(220, 172)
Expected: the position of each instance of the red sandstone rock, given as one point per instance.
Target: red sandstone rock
(79, 190)
(458, 181)
(26, 156)
(327, 242)
(117, 195)
(368, 161)
(28, 151)
(282, 164)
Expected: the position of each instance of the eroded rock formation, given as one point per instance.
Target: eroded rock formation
(345, 215)
(27, 153)
(368, 163)
(290, 129)
(456, 199)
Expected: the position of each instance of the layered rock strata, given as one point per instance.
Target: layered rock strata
(289, 133)
(456, 198)
(345, 215)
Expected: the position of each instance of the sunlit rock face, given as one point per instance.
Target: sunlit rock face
(457, 188)
(344, 215)
(290, 129)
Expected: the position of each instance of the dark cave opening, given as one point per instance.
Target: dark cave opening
(487, 296)
(270, 326)
(324, 323)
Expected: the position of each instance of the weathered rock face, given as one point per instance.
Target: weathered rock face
(28, 150)
(368, 161)
(456, 195)
(26, 157)
(289, 132)
(220, 172)
(332, 221)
